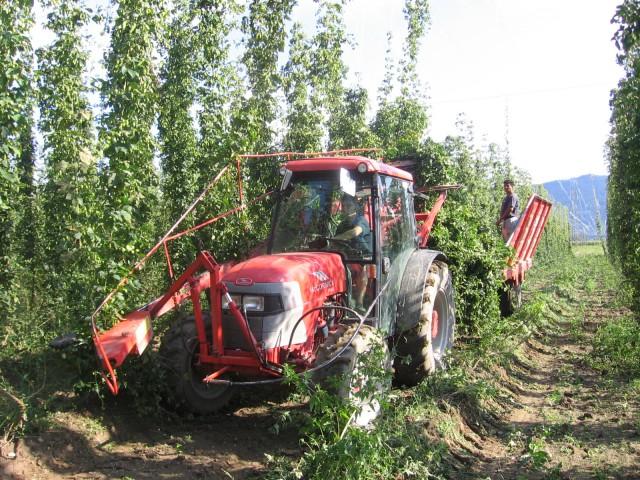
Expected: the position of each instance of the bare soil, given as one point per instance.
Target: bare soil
(562, 419)
(111, 443)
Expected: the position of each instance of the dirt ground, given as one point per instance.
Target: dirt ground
(564, 420)
(110, 443)
(559, 419)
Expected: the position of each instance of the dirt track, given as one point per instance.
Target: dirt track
(566, 420)
(118, 445)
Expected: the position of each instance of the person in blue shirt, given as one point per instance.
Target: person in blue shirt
(509, 211)
(355, 227)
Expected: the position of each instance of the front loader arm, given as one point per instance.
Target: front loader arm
(133, 333)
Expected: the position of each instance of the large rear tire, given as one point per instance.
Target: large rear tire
(179, 354)
(361, 374)
(422, 349)
(510, 299)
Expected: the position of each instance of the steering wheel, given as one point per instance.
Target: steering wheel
(339, 241)
(321, 242)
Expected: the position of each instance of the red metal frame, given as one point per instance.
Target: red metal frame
(133, 333)
(526, 238)
(428, 218)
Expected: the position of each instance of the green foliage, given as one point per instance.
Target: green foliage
(130, 97)
(400, 125)
(327, 68)
(15, 122)
(265, 39)
(416, 13)
(349, 127)
(616, 347)
(68, 196)
(390, 448)
(624, 149)
(219, 90)
(176, 128)
(386, 87)
(303, 120)
(27, 235)
(175, 125)
(465, 231)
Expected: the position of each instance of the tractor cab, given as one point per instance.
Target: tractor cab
(358, 208)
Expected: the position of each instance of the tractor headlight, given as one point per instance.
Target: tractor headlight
(253, 302)
(237, 299)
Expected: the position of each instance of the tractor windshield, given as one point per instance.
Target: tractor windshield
(316, 213)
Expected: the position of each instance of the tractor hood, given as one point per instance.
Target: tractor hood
(318, 273)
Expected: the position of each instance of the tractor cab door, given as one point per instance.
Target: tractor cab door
(396, 237)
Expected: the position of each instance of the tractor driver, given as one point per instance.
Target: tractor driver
(355, 229)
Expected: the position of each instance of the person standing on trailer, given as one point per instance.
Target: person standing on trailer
(510, 210)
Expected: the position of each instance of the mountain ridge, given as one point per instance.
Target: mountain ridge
(585, 198)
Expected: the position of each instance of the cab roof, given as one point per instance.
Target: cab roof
(318, 164)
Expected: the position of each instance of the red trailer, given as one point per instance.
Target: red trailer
(524, 241)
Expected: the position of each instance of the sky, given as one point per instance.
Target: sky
(537, 74)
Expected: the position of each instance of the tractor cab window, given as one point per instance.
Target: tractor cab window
(315, 213)
(395, 213)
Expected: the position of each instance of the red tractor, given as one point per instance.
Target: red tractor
(346, 269)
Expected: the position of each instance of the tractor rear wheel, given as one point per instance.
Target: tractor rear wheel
(179, 354)
(361, 374)
(422, 349)
(510, 299)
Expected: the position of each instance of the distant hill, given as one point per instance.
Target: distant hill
(586, 200)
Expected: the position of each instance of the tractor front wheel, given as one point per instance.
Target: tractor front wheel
(422, 349)
(184, 373)
(361, 374)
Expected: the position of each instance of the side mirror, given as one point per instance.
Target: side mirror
(386, 265)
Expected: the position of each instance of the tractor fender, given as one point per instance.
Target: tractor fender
(411, 288)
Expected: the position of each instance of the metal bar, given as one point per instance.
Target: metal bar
(159, 309)
(168, 258)
(531, 231)
(215, 300)
(197, 313)
(515, 238)
(215, 374)
(541, 222)
(526, 228)
(183, 281)
(308, 154)
(219, 217)
(425, 230)
(240, 181)
(546, 218)
(232, 360)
